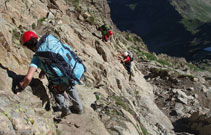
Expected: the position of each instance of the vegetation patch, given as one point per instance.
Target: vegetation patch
(91, 20)
(31, 120)
(191, 77)
(128, 37)
(191, 25)
(97, 97)
(137, 39)
(8, 115)
(144, 130)
(164, 62)
(119, 101)
(75, 3)
(58, 132)
(193, 67)
(33, 26)
(40, 21)
(149, 56)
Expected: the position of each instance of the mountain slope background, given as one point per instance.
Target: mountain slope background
(166, 95)
(174, 27)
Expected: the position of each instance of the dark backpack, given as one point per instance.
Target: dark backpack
(105, 28)
(60, 59)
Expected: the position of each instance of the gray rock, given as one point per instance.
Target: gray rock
(179, 109)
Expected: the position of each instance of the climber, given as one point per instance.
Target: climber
(126, 59)
(106, 33)
(56, 85)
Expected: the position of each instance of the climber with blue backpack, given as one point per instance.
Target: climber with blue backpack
(62, 67)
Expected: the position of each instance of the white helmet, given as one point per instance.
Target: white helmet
(126, 54)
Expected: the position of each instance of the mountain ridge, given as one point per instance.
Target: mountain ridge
(177, 28)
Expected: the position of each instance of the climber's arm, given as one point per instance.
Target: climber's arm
(27, 79)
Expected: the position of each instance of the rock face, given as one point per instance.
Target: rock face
(113, 104)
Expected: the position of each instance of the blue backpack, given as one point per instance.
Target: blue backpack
(60, 59)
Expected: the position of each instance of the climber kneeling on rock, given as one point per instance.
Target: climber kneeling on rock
(126, 59)
(55, 61)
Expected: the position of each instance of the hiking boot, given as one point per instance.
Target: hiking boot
(65, 112)
(76, 110)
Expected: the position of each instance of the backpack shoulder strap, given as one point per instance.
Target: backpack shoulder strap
(42, 40)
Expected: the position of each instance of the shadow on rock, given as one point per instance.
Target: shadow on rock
(36, 85)
(181, 126)
(15, 79)
(39, 90)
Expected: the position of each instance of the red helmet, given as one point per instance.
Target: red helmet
(27, 36)
(110, 32)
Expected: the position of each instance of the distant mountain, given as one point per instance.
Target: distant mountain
(175, 27)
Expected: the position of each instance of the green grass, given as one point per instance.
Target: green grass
(191, 25)
(97, 97)
(128, 37)
(144, 130)
(194, 12)
(149, 56)
(75, 3)
(31, 120)
(164, 62)
(119, 101)
(193, 67)
(201, 9)
(40, 21)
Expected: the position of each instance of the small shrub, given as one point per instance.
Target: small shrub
(75, 3)
(137, 92)
(128, 37)
(137, 39)
(31, 120)
(8, 115)
(193, 67)
(91, 20)
(97, 97)
(40, 21)
(33, 26)
(120, 102)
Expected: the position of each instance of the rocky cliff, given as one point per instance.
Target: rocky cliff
(153, 102)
